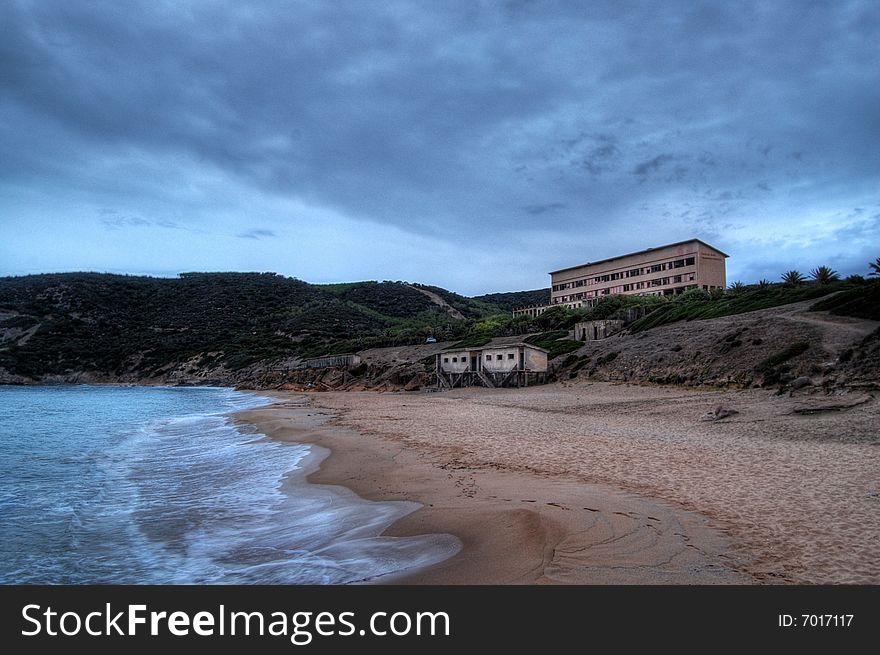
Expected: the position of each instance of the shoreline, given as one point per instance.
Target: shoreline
(515, 527)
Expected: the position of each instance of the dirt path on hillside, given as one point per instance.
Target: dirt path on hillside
(437, 300)
(838, 332)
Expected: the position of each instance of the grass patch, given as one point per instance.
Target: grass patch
(555, 342)
(472, 341)
(861, 302)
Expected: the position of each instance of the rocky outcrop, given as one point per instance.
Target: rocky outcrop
(9, 378)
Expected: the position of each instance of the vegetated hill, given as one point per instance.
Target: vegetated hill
(511, 300)
(789, 347)
(805, 345)
(388, 298)
(56, 326)
(469, 307)
(240, 328)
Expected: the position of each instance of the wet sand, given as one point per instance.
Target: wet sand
(517, 526)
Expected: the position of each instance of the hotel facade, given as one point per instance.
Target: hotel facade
(663, 271)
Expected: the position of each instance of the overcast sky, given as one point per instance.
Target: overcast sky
(471, 145)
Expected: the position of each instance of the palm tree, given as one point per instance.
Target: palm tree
(874, 266)
(736, 286)
(763, 283)
(792, 278)
(824, 275)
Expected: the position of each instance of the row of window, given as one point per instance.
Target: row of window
(677, 290)
(488, 358)
(670, 292)
(628, 288)
(635, 272)
(675, 279)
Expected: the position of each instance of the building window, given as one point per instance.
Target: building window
(445, 360)
(455, 359)
(510, 356)
(488, 357)
(499, 357)
(689, 261)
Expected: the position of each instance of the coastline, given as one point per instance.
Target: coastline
(516, 527)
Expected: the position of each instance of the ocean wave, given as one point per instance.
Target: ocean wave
(161, 485)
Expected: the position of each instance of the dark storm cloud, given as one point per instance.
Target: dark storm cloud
(447, 119)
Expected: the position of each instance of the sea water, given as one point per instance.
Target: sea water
(155, 485)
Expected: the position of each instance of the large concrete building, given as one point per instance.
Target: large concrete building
(663, 271)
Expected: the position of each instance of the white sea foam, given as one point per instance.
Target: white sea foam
(174, 491)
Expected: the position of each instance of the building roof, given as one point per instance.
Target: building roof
(640, 252)
(499, 346)
(496, 344)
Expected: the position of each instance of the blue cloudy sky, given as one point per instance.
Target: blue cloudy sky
(472, 145)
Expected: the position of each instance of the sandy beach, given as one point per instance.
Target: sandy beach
(604, 483)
